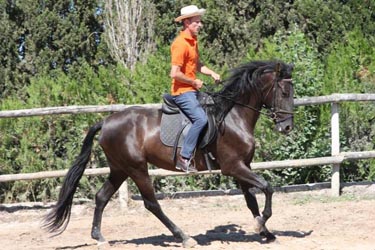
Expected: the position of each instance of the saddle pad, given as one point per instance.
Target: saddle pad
(170, 126)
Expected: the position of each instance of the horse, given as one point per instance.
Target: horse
(130, 140)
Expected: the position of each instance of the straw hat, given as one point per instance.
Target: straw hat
(190, 11)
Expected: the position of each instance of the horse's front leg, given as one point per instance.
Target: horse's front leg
(252, 204)
(247, 180)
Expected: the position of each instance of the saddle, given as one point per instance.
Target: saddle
(175, 125)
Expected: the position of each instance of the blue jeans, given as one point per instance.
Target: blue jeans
(189, 104)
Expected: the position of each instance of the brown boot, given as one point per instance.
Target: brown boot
(184, 165)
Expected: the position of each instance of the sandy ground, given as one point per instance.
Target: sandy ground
(301, 220)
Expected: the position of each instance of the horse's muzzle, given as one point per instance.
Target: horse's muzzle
(284, 126)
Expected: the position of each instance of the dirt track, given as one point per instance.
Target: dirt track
(304, 220)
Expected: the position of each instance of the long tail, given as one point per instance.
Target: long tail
(57, 220)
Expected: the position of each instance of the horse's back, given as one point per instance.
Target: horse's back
(129, 126)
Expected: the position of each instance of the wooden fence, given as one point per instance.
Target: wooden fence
(335, 159)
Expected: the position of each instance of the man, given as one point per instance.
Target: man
(185, 84)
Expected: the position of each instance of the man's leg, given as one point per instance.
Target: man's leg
(189, 104)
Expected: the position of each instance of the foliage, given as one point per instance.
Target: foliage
(350, 68)
(327, 22)
(44, 35)
(47, 143)
(149, 80)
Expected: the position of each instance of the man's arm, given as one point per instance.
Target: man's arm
(177, 74)
(205, 70)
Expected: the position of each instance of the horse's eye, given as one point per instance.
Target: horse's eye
(285, 90)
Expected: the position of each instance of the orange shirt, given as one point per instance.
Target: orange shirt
(184, 53)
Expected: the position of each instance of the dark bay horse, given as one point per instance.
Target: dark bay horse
(131, 139)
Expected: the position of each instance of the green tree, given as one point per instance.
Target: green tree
(46, 35)
(10, 36)
(327, 22)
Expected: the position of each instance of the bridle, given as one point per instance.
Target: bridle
(272, 112)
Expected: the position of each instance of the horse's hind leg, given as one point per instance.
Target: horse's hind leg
(146, 189)
(101, 199)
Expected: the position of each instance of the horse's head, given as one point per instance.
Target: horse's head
(277, 94)
(260, 84)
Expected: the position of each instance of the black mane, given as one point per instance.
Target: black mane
(242, 83)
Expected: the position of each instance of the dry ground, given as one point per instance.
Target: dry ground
(301, 220)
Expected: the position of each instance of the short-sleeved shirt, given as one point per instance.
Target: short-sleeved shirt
(184, 53)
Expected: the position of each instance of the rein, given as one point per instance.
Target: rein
(243, 105)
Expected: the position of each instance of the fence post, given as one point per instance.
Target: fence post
(335, 148)
(123, 195)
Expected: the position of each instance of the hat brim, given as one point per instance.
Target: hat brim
(197, 13)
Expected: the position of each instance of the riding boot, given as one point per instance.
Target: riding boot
(185, 165)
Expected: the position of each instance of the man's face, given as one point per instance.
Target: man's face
(194, 24)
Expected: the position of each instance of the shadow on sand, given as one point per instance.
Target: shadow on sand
(227, 233)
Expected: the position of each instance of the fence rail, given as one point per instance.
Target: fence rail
(304, 101)
(335, 160)
(161, 172)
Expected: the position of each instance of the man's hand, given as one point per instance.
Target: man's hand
(197, 83)
(216, 77)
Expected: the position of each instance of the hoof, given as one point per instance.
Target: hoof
(97, 235)
(189, 243)
(269, 237)
(102, 245)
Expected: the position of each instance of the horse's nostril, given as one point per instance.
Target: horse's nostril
(288, 129)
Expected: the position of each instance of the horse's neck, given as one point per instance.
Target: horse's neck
(230, 106)
(244, 117)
